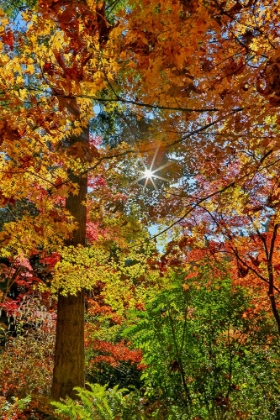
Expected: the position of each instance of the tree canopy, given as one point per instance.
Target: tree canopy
(94, 93)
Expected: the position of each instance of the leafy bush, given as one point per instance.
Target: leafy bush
(208, 352)
(27, 408)
(11, 410)
(100, 403)
(26, 361)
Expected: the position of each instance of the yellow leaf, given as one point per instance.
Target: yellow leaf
(20, 80)
(23, 93)
(30, 69)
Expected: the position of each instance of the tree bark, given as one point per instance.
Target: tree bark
(69, 357)
(271, 291)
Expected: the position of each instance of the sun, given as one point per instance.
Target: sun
(149, 174)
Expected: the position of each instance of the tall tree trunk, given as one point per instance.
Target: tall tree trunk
(69, 358)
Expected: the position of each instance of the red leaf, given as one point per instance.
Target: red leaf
(277, 267)
(8, 39)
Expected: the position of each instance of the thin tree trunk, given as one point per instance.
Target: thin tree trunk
(69, 358)
(271, 292)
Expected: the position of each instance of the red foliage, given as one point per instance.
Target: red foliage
(115, 353)
(8, 38)
(51, 260)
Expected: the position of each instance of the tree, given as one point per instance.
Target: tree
(69, 346)
(229, 187)
(195, 67)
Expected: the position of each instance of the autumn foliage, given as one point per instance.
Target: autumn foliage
(93, 93)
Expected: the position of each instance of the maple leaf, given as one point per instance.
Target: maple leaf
(8, 38)
(83, 151)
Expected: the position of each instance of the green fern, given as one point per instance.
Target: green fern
(99, 403)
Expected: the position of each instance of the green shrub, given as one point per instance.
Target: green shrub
(209, 353)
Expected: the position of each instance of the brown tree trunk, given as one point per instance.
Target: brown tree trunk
(271, 290)
(69, 358)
